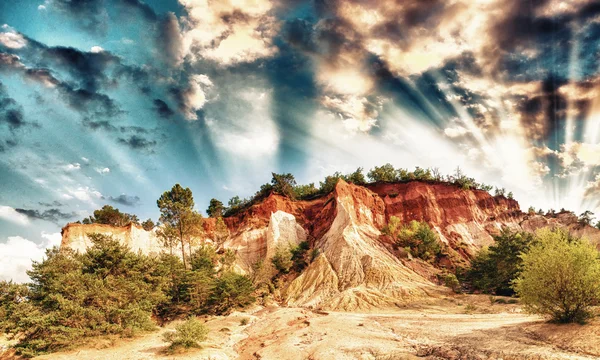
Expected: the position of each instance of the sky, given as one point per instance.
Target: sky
(115, 101)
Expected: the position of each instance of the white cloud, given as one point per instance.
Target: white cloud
(255, 135)
(11, 39)
(74, 166)
(10, 214)
(85, 159)
(41, 7)
(194, 97)
(96, 49)
(455, 131)
(17, 254)
(229, 32)
(103, 170)
(83, 193)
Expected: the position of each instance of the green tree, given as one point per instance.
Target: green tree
(305, 191)
(284, 184)
(357, 177)
(586, 217)
(417, 236)
(221, 232)
(559, 277)
(215, 208)
(111, 216)
(177, 211)
(326, 186)
(494, 269)
(148, 225)
(385, 173)
(231, 291)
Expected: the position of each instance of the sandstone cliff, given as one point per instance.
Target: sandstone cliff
(357, 267)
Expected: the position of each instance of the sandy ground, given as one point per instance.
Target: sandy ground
(462, 327)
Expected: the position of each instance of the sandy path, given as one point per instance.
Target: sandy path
(445, 331)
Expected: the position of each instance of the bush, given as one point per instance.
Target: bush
(494, 269)
(231, 291)
(187, 335)
(450, 280)
(559, 277)
(420, 238)
(282, 260)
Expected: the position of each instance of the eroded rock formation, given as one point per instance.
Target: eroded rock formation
(356, 266)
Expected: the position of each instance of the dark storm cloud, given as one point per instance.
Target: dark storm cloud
(88, 67)
(137, 142)
(11, 112)
(82, 100)
(126, 200)
(162, 109)
(53, 215)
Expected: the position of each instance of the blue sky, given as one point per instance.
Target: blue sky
(113, 102)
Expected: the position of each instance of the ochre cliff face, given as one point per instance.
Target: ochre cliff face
(357, 266)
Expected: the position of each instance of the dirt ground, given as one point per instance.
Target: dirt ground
(459, 327)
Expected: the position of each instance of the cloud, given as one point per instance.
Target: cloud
(137, 142)
(9, 214)
(11, 39)
(17, 254)
(74, 166)
(54, 203)
(11, 113)
(102, 170)
(82, 193)
(126, 200)
(193, 97)
(456, 131)
(229, 32)
(162, 109)
(170, 41)
(53, 215)
(592, 188)
(96, 49)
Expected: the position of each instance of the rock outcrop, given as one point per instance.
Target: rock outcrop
(356, 266)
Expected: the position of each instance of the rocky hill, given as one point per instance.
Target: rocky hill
(357, 267)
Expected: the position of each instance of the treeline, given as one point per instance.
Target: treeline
(286, 185)
(110, 290)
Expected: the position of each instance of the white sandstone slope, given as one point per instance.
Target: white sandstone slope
(354, 269)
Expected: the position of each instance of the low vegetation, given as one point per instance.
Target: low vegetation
(559, 277)
(416, 237)
(110, 290)
(493, 269)
(186, 335)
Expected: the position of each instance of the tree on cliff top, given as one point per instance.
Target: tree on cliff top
(111, 216)
(177, 211)
(215, 208)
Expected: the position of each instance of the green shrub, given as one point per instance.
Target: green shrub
(231, 291)
(187, 335)
(450, 280)
(559, 277)
(494, 269)
(282, 260)
(420, 238)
